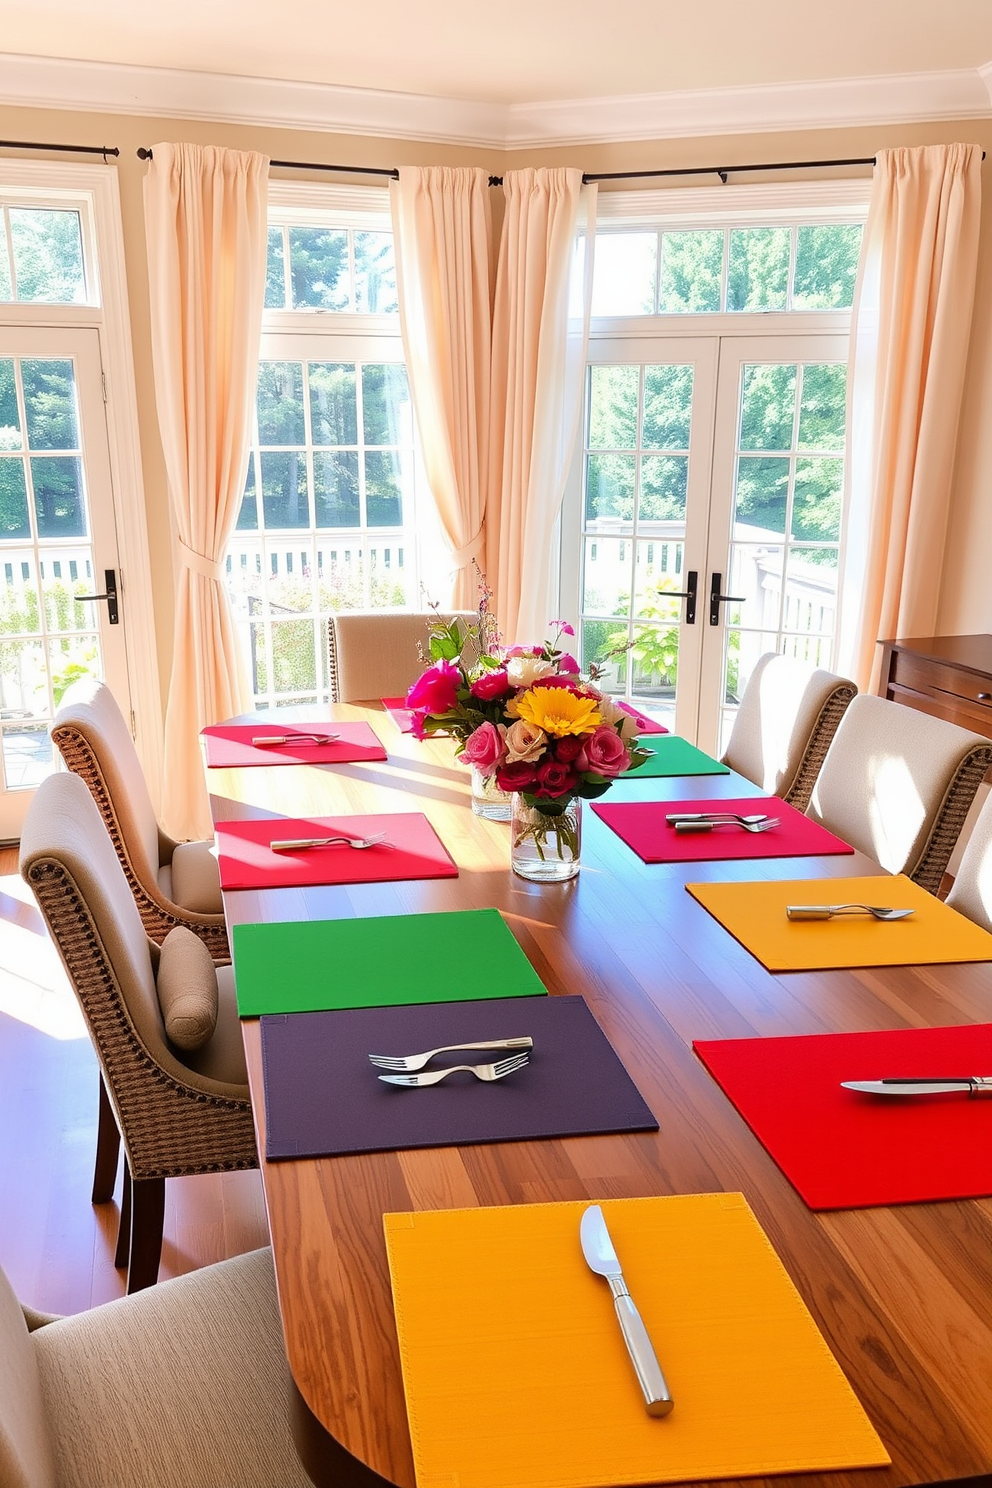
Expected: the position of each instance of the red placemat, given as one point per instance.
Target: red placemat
(646, 725)
(643, 826)
(247, 862)
(398, 711)
(845, 1150)
(229, 744)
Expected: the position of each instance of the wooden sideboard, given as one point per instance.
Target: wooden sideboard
(947, 676)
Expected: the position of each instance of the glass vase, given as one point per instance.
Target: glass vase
(544, 845)
(487, 798)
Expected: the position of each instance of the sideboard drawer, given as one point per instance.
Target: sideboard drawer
(938, 684)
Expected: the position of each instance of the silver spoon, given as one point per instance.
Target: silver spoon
(827, 911)
(299, 844)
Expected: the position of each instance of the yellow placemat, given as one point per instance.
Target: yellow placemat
(754, 913)
(516, 1374)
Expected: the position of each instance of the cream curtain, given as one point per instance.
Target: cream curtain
(441, 233)
(909, 346)
(537, 373)
(205, 220)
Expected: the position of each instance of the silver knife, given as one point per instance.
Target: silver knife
(937, 1085)
(597, 1247)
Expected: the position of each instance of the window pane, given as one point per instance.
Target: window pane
(27, 756)
(602, 646)
(664, 481)
(383, 488)
(335, 488)
(58, 496)
(50, 404)
(768, 404)
(758, 276)
(691, 271)
(608, 575)
(652, 588)
(817, 500)
(6, 288)
(275, 271)
(285, 501)
(293, 656)
(386, 411)
(62, 610)
(811, 590)
(762, 493)
(654, 657)
(826, 267)
(13, 498)
(280, 403)
(613, 407)
(821, 406)
(375, 274)
(667, 407)
(48, 255)
(610, 487)
(333, 417)
(318, 266)
(248, 515)
(10, 421)
(623, 273)
(756, 575)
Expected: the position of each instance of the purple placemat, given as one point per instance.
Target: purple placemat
(323, 1097)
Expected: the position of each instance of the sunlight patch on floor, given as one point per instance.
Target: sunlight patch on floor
(34, 988)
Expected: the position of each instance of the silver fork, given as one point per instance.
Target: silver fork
(761, 825)
(274, 741)
(300, 844)
(717, 817)
(407, 1063)
(496, 1071)
(827, 911)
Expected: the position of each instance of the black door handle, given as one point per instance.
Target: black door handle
(688, 594)
(717, 599)
(110, 583)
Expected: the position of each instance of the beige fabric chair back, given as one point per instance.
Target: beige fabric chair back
(787, 717)
(897, 785)
(373, 653)
(162, 1104)
(26, 1459)
(971, 893)
(95, 742)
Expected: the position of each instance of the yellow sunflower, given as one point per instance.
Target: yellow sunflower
(559, 712)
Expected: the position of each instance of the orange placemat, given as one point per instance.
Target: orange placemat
(754, 913)
(515, 1370)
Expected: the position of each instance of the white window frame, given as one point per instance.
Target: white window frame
(93, 190)
(765, 205)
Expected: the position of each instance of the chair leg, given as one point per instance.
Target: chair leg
(147, 1219)
(124, 1223)
(108, 1146)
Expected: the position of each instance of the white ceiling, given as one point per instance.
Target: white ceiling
(516, 52)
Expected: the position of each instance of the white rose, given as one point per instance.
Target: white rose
(524, 671)
(524, 741)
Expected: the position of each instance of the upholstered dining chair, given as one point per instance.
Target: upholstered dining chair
(788, 715)
(163, 1021)
(897, 785)
(184, 1386)
(374, 653)
(173, 883)
(971, 892)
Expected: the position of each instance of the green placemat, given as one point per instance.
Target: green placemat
(671, 755)
(385, 961)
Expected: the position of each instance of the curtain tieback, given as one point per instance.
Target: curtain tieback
(462, 557)
(207, 568)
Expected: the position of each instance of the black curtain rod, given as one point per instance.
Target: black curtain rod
(103, 150)
(354, 170)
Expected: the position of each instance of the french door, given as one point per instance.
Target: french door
(61, 601)
(707, 504)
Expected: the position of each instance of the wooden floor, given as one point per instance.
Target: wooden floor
(55, 1246)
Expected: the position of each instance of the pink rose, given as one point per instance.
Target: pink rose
(484, 748)
(490, 685)
(555, 778)
(606, 752)
(569, 683)
(568, 748)
(518, 776)
(524, 741)
(436, 690)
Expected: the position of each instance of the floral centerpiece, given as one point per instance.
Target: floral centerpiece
(527, 721)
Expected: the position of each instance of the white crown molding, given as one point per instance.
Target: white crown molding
(52, 83)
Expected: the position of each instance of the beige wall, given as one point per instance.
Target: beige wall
(966, 602)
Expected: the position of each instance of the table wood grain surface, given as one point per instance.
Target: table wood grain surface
(903, 1295)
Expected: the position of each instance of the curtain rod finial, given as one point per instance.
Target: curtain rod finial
(143, 154)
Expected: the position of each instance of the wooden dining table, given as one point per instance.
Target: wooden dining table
(902, 1295)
